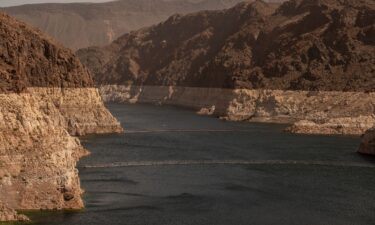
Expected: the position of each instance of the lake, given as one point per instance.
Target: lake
(173, 167)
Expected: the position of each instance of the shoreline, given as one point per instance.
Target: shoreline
(308, 112)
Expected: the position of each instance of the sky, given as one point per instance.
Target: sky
(4, 3)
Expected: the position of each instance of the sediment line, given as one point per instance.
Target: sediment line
(228, 162)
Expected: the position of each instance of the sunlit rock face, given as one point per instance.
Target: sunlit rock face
(46, 96)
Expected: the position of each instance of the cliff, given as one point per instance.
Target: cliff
(101, 23)
(319, 45)
(46, 96)
(306, 62)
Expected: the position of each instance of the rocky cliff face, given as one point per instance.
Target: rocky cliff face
(316, 58)
(46, 96)
(37, 156)
(102, 23)
(319, 45)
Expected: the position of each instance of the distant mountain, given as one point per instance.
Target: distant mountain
(79, 25)
(300, 45)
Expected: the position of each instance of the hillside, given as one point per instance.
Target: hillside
(79, 25)
(323, 45)
(46, 96)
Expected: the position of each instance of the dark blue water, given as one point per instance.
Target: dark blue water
(194, 170)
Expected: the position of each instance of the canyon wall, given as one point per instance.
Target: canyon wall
(308, 45)
(46, 97)
(311, 111)
(38, 154)
(307, 62)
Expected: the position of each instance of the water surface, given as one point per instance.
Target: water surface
(173, 167)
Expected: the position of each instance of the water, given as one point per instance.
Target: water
(173, 167)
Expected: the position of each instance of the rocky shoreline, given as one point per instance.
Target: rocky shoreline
(38, 153)
(310, 112)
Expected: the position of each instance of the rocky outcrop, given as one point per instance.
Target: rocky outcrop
(368, 143)
(325, 112)
(101, 23)
(46, 96)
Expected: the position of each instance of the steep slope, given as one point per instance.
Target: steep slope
(101, 23)
(305, 45)
(45, 94)
(305, 61)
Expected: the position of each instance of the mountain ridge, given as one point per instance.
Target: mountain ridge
(101, 23)
(304, 45)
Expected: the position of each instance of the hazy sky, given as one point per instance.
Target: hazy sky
(4, 3)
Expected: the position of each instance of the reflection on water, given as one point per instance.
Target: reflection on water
(173, 167)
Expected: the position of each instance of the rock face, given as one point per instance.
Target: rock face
(46, 96)
(82, 108)
(368, 143)
(37, 156)
(314, 45)
(102, 23)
